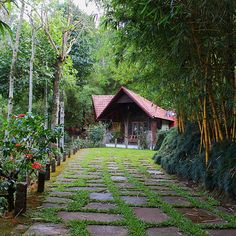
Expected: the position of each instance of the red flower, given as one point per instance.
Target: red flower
(19, 116)
(18, 145)
(36, 165)
(29, 156)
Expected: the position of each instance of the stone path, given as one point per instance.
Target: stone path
(120, 196)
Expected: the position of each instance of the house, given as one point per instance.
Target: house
(129, 114)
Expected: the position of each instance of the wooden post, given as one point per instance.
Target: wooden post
(126, 142)
(69, 154)
(64, 156)
(21, 196)
(154, 133)
(41, 181)
(139, 144)
(58, 160)
(53, 165)
(126, 124)
(47, 173)
(115, 142)
(10, 196)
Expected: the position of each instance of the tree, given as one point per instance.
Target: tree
(191, 47)
(34, 28)
(5, 6)
(13, 63)
(66, 41)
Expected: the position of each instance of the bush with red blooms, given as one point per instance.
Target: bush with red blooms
(36, 165)
(25, 146)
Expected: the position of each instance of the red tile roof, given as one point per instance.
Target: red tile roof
(149, 107)
(102, 102)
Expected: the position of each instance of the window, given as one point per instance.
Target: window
(137, 127)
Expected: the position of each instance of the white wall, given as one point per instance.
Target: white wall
(165, 125)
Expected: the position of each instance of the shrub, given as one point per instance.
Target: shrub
(142, 137)
(96, 134)
(179, 154)
(3, 205)
(24, 147)
(160, 138)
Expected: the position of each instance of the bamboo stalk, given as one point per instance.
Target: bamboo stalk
(215, 117)
(207, 150)
(201, 132)
(225, 119)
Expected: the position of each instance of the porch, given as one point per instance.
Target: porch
(120, 145)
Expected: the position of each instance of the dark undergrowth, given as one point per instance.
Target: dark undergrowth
(179, 154)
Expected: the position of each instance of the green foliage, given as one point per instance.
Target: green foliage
(179, 154)
(160, 138)
(96, 133)
(80, 199)
(78, 228)
(142, 137)
(78, 106)
(3, 205)
(25, 145)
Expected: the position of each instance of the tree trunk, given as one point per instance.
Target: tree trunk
(46, 105)
(56, 94)
(62, 118)
(13, 63)
(31, 70)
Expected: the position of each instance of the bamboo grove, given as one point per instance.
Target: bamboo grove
(191, 50)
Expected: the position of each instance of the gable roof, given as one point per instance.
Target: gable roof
(152, 110)
(100, 102)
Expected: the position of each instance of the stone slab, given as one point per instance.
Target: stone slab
(59, 180)
(58, 200)
(156, 187)
(200, 216)
(106, 230)
(46, 229)
(95, 181)
(155, 172)
(101, 185)
(167, 192)
(97, 189)
(150, 215)
(118, 178)
(222, 232)
(176, 200)
(100, 206)
(134, 200)
(53, 205)
(99, 217)
(101, 196)
(125, 185)
(61, 194)
(131, 192)
(164, 231)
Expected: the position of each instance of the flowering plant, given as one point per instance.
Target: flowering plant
(24, 148)
(36, 165)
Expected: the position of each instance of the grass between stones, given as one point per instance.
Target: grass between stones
(45, 215)
(80, 199)
(154, 200)
(209, 204)
(135, 226)
(98, 166)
